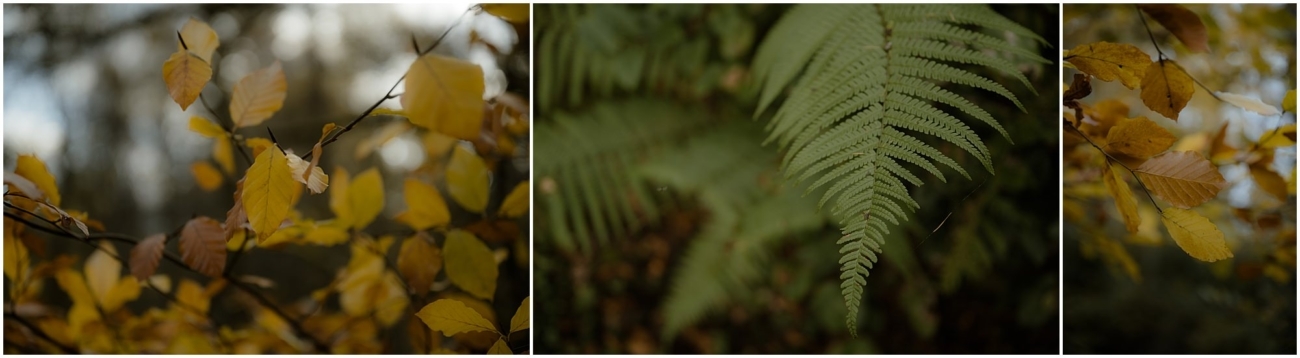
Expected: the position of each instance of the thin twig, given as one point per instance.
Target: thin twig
(1130, 170)
(39, 333)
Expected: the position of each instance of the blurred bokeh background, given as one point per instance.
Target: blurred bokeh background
(1142, 294)
(664, 226)
(83, 91)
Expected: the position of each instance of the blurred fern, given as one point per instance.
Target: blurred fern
(869, 73)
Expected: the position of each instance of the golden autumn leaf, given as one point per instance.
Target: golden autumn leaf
(206, 175)
(339, 198)
(1288, 103)
(1184, 179)
(419, 261)
(105, 281)
(199, 39)
(436, 145)
(1183, 23)
(470, 264)
(1219, 149)
(1124, 200)
(268, 192)
(521, 319)
(467, 180)
(1248, 103)
(185, 75)
(258, 96)
(365, 198)
(1196, 235)
(445, 94)
(34, 170)
(1268, 181)
(203, 246)
(224, 155)
(516, 203)
(516, 13)
(206, 128)
(316, 182)
(258, 144)
(1110, 61)
(451, 317)
(425, 206)
(1139, 138)
(1166, 88)
(145, 256)
(500, 347)
(1280, 137)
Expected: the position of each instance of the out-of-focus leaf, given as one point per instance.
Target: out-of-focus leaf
(206, 175)
(365, 198)
(419, 262)
(516, 13)
(199, 38)
(521, 319)
(1183, 23)
(35, 171)
(467, 180)
(1248, 103)
(516, 203)
(425, 206)
(450, 317)
(446, 95)
(145, 256)
(258, 96)
(470, 264)
(206, 128)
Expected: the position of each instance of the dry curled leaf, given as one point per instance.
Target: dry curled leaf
(1166, 88)
(1184, 179)
(203, 246)
(1110, 61)
(145, 256)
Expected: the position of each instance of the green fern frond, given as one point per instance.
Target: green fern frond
(724, 172)
(866, 80)
(584, 181)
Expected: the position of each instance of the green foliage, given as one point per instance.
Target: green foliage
(869, 72)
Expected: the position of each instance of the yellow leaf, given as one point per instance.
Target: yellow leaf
(1139, 138)
(1109, 61)
(388, 112)
(102, 272)
(470, 264)
(1196, 235)
(1183, 23)
(515, 204)
(451, 317)
(1279, 137)
(1248, 103)
(33, 169)
(1124, 200)
(419, 262)
(1116, 254)
(224, 155)
(206, 128)
(1166, 88)
(74, 284)
(327, 235)
(425, 206)
(1269, 181)
(185, 75)
(258, 144)
(268, 192)
(258, 96)
(1149, 231)
(1184, 179)
(516, 13)
(145, 256)
(500, 347)
(365, 198)
(193, 296)
(1288, 103)
(16, 256)
(316, 182)
(521, 319)
(446, 95)
(203, 246)
(436, 145)
(199, 38)
(339, 198)
(206, 175)
(467, 180)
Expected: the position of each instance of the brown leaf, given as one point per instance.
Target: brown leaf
(1269, 181)
(1166, 88)
(236, 216)
(145, 256)
(1184, 179)
(1183, 23)
(203, 247)
(1139, 138)
(419, 262)
(1080, 87)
